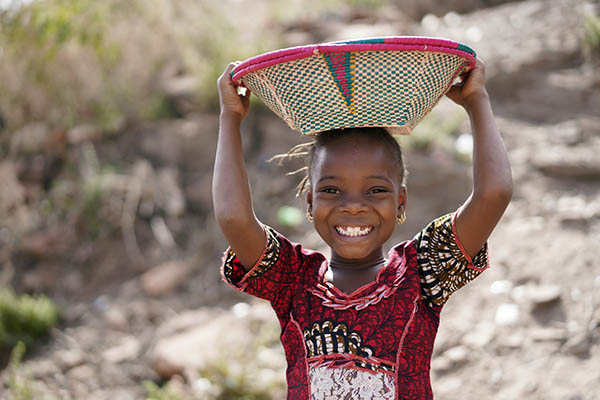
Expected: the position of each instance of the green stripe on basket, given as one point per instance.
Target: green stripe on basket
(465, 48)
(374, 40)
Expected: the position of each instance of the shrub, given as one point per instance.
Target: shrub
(166, 392)
(591, 39)
(25, 318)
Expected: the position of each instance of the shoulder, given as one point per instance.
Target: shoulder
(444, 265)
(442, 226)
(288, 250)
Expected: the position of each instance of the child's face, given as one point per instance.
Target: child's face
(355, 195)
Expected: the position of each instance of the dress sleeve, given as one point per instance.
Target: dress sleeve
(274, 276)
(444, 265)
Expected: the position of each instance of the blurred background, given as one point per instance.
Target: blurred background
(109, 252)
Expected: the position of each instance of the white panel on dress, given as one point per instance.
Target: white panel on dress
(350, 384)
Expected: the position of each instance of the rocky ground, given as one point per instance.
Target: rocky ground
(146, 303)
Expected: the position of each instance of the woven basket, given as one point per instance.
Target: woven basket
(391, 82)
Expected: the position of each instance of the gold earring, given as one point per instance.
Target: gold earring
(401, 218)
(309, 216)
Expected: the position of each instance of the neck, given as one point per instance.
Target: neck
(373, 261)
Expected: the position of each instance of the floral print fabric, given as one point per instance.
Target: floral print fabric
(374, 343)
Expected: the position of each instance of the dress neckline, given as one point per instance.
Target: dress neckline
(358, 291)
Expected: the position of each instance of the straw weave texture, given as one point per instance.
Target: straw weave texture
(394, 89)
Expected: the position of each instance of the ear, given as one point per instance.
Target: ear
(402, 197)
(309, 198)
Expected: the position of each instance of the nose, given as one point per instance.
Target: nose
(353, 204)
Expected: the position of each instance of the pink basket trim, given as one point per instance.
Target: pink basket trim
(398, 43)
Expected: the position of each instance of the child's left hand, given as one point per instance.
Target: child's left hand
(471, 89)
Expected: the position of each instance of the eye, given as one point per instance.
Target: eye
(329, 190)
(379, 190)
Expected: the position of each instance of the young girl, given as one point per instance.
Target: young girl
(359, 326)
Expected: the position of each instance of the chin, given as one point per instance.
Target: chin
(354, 253)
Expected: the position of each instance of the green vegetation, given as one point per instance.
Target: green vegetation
(441, 127)
(50, 49)
(238, 385)
(591, 38)
(67, 62)
(24, 318)
(20, 387)
(95, 213)
(166, 392)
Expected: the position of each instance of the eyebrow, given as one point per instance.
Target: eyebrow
(380, 177)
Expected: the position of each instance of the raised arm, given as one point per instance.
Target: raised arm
(232, 200)
(492, 180)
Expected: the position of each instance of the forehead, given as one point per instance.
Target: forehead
(354, 157)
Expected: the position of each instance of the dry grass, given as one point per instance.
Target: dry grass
(67, 62)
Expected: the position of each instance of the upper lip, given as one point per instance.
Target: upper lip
(361, 225)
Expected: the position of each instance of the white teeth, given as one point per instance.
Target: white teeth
(353, 231)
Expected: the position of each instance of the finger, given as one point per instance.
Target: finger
(231, 66)
(246, 100)
(236, 83)
(226, 75)
(464, 77)
(479, 65)
(453, 92)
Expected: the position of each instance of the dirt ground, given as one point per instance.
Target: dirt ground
(527, 328)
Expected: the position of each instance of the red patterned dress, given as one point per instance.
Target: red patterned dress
(375, 343)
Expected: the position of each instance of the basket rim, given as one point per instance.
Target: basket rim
(385, 43)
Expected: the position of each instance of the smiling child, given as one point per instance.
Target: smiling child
(362, 324)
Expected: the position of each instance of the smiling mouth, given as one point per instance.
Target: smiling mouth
(353, 231)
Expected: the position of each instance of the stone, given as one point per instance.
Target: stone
(172, 197)
(501, 287)
(30, 139)
(449, 385)
(459, 355)
(574, 169)
(184, 347)
(482, 334)
(240, 309)
(186, 320)
(451, 359)
(198, 346)
(537, 295)
(83, 133)
(13, 193)
(181, 86)
(204, 388)
(82, 373)
(116, 319)
(548, 334)
(512, 341)
(507, 314)
(164, 278)
(127, 349)
(70, 358)
(579, 344)
(43, 368)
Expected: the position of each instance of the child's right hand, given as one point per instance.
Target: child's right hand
(231, 102)
(472, 89)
